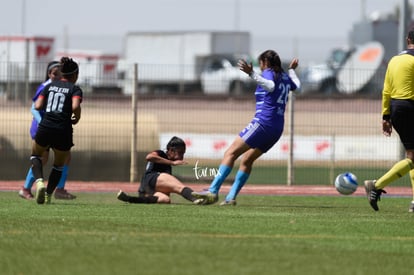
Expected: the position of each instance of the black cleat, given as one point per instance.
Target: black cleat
(373, 194)
(122, 196)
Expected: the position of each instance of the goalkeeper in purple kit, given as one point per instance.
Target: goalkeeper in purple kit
(273, 87)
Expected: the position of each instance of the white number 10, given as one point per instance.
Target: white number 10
(55, 102)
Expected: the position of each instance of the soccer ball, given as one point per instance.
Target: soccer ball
(346, 183)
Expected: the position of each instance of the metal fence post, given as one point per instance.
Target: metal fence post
(290, 168)
(133, 167)
(333, 159)
(25, 95)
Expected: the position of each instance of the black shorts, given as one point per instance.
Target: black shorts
(402, 117)
(148, 183)
(56, 139)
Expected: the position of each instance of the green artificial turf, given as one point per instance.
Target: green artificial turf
(302, 175)
(97, 234)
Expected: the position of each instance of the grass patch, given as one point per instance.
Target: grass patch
(96, 234)
(305, 175)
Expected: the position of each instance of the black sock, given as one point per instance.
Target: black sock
(54, 178)
(151, 199)
(37, 167)
(186, 193)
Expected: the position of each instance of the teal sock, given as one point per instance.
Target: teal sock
(62, 181)
(29, 180)
(239, 181)
(222, 174)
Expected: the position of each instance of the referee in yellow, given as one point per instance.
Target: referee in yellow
(397, 113)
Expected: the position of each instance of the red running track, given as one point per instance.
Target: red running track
(295, 190)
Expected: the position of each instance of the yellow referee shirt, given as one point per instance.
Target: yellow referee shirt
(399, 80)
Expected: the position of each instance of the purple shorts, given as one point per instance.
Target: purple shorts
(257, 136)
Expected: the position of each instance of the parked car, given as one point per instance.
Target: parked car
(321, 78)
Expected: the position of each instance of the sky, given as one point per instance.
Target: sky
(308, 29)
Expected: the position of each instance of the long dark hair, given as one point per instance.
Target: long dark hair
(273, 61)
(50, 66)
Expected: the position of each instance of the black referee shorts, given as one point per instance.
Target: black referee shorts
(402, 118)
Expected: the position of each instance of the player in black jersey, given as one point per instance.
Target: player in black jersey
(52, 73)
(60, 100)
(158, 183)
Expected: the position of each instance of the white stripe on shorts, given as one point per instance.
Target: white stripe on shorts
(251, 129)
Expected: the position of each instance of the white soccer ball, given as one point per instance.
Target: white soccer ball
(346, 183)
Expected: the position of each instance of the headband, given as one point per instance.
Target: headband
(54, 65)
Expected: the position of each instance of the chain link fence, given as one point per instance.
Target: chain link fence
(331, 133)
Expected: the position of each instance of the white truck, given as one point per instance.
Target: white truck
(98, 70)
(181, 62)
(23, 62)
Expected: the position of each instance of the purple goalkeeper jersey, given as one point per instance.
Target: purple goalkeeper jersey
(270, 106)
(33, 128)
